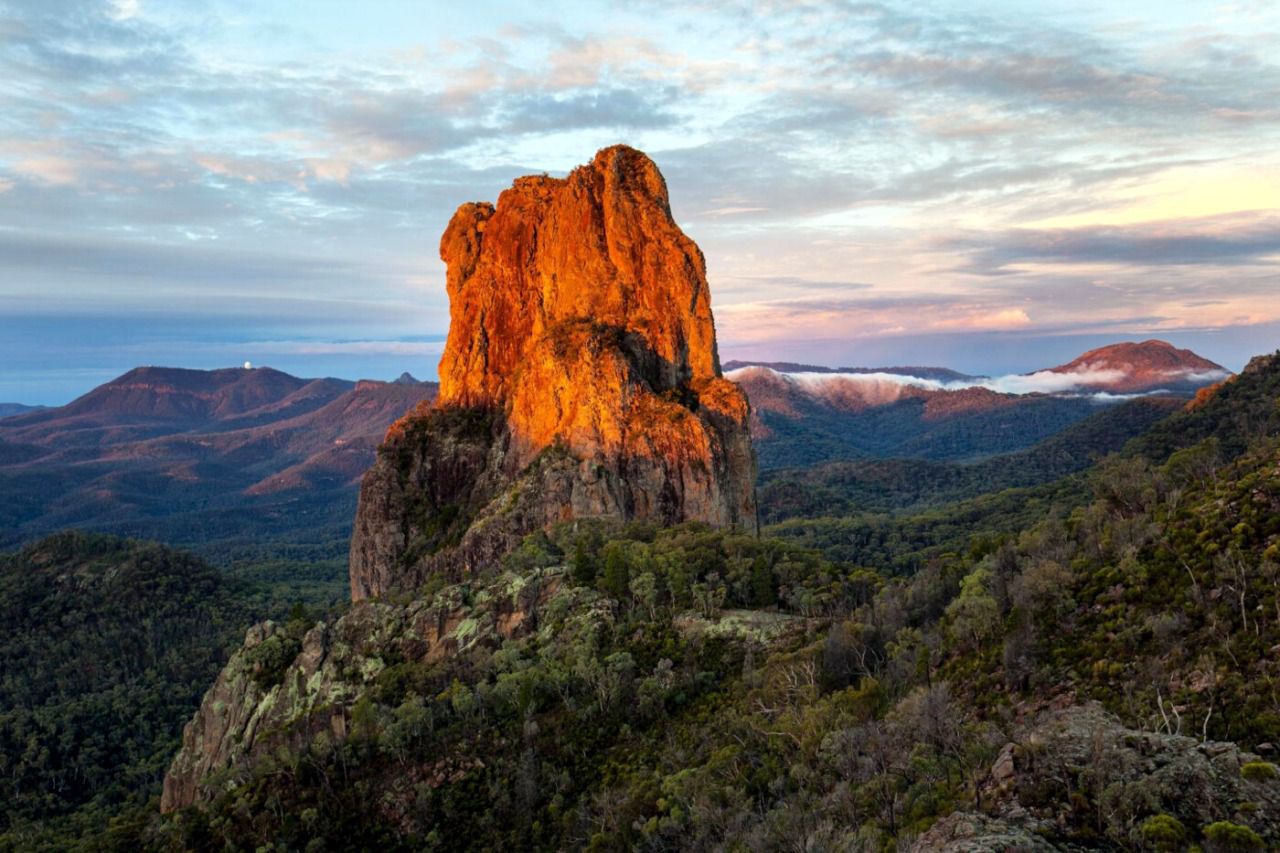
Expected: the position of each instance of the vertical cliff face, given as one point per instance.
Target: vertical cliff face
(599, 245)
(580, 379)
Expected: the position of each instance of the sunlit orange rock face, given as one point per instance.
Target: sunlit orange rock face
(580, 379)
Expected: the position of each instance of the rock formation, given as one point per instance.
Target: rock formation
(284, 685)
(1028, 795)
(580, 379)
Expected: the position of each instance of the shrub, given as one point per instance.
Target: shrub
(1226, 837)
(1162, 832)
(1259, 771)
(268, 661)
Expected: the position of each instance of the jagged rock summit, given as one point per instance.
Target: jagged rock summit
(580, 379)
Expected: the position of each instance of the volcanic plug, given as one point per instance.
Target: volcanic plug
(580, 379)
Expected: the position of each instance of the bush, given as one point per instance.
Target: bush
(1162, 832)
(1226, 836)
(269, 660)
(1259, 771)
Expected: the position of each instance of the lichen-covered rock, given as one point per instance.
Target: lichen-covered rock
(580, 379)
(1077, 778)
(966, 832)
(284, 685)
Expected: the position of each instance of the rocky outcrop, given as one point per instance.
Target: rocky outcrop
(580, 379)
(289, 682)
(1078, 778)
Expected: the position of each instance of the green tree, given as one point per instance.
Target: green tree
(615, 579)
(763, 591)
(644, 588)
(974, 614)
(583, 566)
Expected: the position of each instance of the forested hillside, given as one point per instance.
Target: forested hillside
(902, 485)
(106, 647)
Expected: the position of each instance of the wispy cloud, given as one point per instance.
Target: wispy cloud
(307, 348)
(1236, 238)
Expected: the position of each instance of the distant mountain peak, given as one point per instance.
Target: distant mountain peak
(407, 378)
(1130, 367)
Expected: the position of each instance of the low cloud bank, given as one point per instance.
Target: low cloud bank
(1051, 382)
(881, 388)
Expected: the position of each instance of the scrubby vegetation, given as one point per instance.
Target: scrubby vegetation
(694, 689)
(652, 707)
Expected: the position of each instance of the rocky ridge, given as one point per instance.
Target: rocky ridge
(288, 683)
(580, 380)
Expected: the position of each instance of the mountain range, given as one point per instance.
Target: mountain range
(196, 456)
(804, 414)
(8, 410)
(205, 458)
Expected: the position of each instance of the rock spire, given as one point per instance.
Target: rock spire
(580, 379)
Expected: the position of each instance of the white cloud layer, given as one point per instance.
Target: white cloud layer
(881, 388)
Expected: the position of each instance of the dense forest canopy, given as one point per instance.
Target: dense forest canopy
(107, 646)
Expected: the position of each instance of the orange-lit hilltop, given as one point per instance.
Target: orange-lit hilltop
(1136, 367)
(580, 379)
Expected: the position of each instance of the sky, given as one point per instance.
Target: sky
(989, 186)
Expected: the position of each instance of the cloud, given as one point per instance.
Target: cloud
(1002, 318)
(622, 108)
(387, 347)
(1226, 239)
(878, 388)
(1052, 382)
(883, 387)
(123, 10)
(861, 315)
(24, 256)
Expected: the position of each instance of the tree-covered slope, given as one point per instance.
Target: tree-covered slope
(904, 429)
(106, 646)
(902, 485)
(1239, 411)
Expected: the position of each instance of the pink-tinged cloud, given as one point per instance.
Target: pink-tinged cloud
(985, 321)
